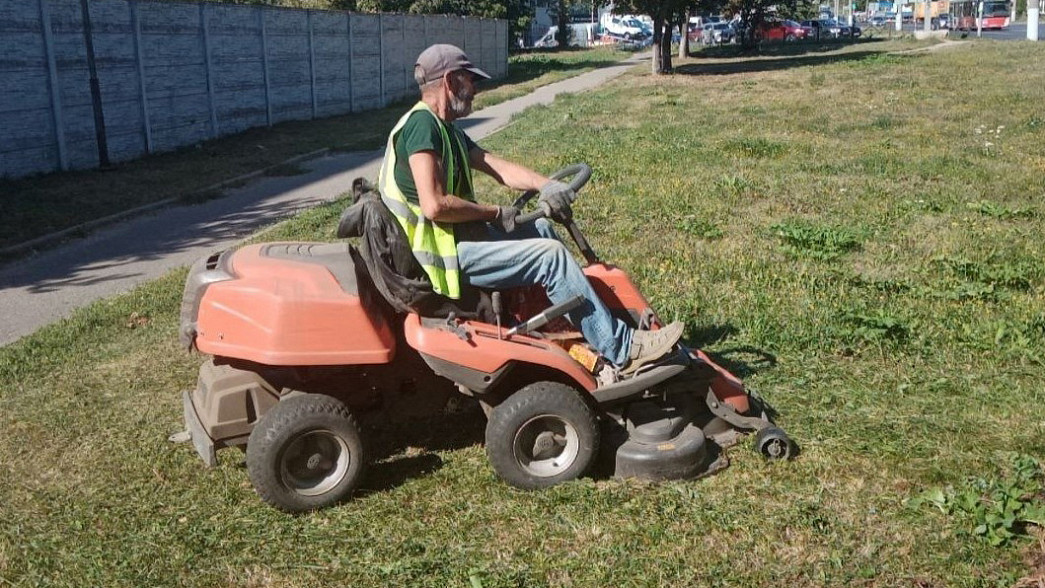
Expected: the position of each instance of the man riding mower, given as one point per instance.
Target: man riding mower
(306, 338)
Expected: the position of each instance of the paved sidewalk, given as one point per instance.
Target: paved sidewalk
(46, 287)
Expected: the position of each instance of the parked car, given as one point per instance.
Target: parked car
(695, 33)
(625, 27)
(943, 21)
(826, 29)
(717, 33)
(838, 29)
(877, 20)
(780, 30)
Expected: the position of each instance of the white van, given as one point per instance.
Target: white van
(582, 35)
(625, 27)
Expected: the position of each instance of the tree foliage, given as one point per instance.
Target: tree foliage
(754, 12)
(518, 13)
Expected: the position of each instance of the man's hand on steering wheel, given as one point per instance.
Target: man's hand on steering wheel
(555, 200)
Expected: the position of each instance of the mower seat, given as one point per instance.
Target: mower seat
(385, 252)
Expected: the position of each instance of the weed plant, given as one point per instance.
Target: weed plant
(898, 332)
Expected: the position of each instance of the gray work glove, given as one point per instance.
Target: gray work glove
(555, 201)
(506, 218)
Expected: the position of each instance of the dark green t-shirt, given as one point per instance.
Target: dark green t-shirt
(421, 133)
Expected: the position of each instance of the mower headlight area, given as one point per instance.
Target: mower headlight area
(206, 271)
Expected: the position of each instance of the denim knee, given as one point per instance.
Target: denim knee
(545, 228)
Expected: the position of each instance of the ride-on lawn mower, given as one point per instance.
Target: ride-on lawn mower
(306, 339)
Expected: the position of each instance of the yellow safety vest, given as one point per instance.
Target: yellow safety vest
(432, 242)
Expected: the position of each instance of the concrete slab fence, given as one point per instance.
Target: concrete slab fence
(172, 74)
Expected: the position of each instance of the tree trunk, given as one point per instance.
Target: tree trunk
(684, 31)
(661, 46)
(563, 35)
(665, 45)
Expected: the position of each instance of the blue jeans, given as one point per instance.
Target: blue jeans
(533, 254)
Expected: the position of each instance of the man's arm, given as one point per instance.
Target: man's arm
(505, 172)
(436, 204)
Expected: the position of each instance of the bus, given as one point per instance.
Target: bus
(964, 14)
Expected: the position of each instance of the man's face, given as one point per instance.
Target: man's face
(462, 92)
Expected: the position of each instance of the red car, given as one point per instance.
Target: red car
(780, 30)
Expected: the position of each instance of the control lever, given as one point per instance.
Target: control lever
(454, 327)
(545, 317)
(495, 301)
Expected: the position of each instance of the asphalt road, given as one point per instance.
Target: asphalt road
(1015, 32)
(48, 286)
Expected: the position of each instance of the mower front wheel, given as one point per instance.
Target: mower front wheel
(542, 435)
(306, 453)
(774, 444)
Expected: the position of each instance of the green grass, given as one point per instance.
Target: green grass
(897, 326)
(36, 206)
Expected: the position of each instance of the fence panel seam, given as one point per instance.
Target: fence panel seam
(56, 97)
(312, 60)
(207, 67)
(265, 67)
(136, 25)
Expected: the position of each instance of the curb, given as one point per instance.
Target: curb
(32, 244)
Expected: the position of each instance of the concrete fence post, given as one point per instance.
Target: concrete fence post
(139, 59)
(54, 88)
(209, 72)
(312, 61)
(265, 66)
(381, 57)
(408, 70)
(351, 69)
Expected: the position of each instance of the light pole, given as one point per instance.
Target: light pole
(928, 16)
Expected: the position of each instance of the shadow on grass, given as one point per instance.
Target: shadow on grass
(772, 59)
(742, 360)
(405, 451)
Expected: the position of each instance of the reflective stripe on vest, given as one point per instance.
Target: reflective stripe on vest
(432, 242)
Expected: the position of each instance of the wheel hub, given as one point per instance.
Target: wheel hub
(775, 448)
(314, 463)
(546, 445)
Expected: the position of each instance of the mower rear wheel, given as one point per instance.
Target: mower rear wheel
(542, 435)
(773, 443)
(306, 453)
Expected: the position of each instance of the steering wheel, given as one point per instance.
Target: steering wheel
(581, 173)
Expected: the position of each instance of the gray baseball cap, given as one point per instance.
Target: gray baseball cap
(439, 59)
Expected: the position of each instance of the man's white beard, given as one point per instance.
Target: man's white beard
(461, 106)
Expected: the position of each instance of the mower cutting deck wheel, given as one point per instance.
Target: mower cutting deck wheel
(305, 453)
(773, 443)
(542, 435)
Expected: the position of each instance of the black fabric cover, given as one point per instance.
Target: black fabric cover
(392, 266)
